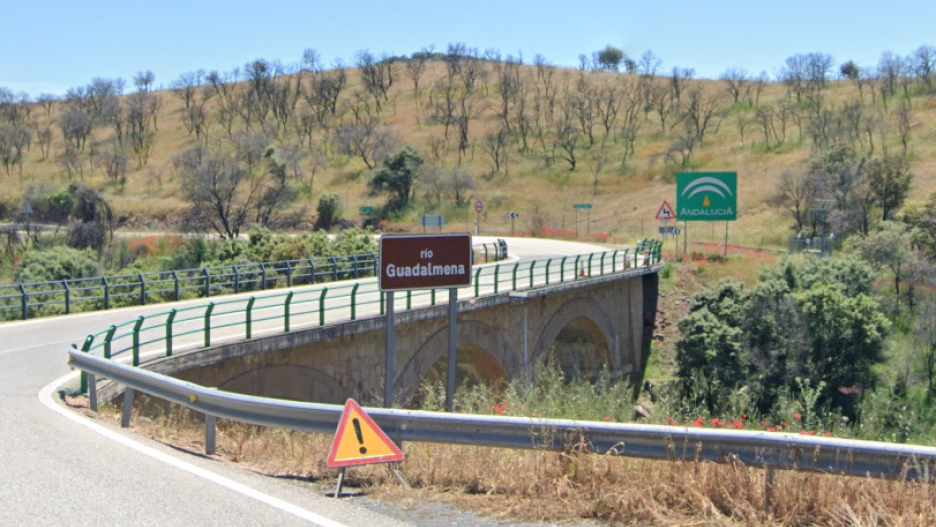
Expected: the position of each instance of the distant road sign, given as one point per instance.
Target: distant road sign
(582, 206)
(479, 206)
(427, 261)
(666, 212)
(433, 222)
(513, 215)
(367, 211)
(669, 230)
(707, 196)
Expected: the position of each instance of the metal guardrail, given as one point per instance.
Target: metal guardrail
(760, 449)
(106, 292)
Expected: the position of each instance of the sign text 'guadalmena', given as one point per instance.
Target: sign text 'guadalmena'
(425, 262)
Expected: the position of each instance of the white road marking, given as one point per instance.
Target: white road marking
(45, 396)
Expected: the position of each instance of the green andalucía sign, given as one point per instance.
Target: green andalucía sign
(707, 196)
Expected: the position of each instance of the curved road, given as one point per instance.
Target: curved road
(57, 468)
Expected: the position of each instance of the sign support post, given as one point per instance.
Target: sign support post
(390, 359)
(707, 196)
(726, 240)
(411, 263)
(452, 350)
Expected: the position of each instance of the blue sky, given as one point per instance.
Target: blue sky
(52, 45)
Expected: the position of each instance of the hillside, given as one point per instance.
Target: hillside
(626, 134)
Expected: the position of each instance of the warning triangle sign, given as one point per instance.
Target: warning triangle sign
(359, 441)
(666, 212)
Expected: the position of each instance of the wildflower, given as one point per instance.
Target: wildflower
(763, 423)
(812, 433)
(669, 419)
(744, 417)
(771, 429)
(607, 419)
(798, 416)
(802, 433)
(828, 434)
(717, 422)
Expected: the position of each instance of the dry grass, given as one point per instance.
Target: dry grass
(625, 203)
(520, 485)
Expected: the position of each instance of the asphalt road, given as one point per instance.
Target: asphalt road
(57, 468)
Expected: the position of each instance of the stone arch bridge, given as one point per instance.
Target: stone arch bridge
(586, 325)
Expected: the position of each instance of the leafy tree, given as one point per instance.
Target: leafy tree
(890, 179)
(891, 248)
(398, 177)
(808, 323)
(610, 58)
(329, 208)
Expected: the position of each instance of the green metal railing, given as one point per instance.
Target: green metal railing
(283, 312)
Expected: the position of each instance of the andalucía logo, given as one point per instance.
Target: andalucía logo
(707, 196)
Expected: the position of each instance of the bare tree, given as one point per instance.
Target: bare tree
(497, 147)
(377, 75)
(369, 141)
(416, 67)
(187, 85)
(678, 80)
(736, 79)
(923, 65)
(221, 192)
(649, 64)
(701, 113)
(796, 192)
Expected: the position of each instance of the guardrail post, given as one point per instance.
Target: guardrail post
(532, 265)
(383, 300)
(626, 263)
(175, 277)
(85, 348)
(548, 263)
(601, 272)
(354, 301)
(249, 316)
(67, 297)
(106, 292)
(478, 282)
(334, 262)
(312, 270)
(236, 279)
(211, 427)
(107, 341)
(578, 258)
(136, 341)
(207, 282)
(485, 252)
(142, 290)
(770, 480)
(322, 307)
(590, 256)
(169, 320)
(496, 277)
(286, 312)
(355, 263)
(262, 276)
(409, 300)
(208, 324)
(127, 408)
(432, 297)
(288, 274)
(562, 269)
(516, 267)
(375, 262)
(25, 298)
(614, 262)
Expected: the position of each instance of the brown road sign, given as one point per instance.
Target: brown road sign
(433, 261)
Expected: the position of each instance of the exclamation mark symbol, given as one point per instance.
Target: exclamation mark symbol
(360, 438)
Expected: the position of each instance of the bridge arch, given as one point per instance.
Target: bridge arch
(581, 317)
(483, 355)
(293, 382)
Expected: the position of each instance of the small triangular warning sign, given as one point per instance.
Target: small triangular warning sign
(359, 441)
(666, 212)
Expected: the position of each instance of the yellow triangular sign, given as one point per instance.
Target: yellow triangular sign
(359, 441)
(706, 203)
